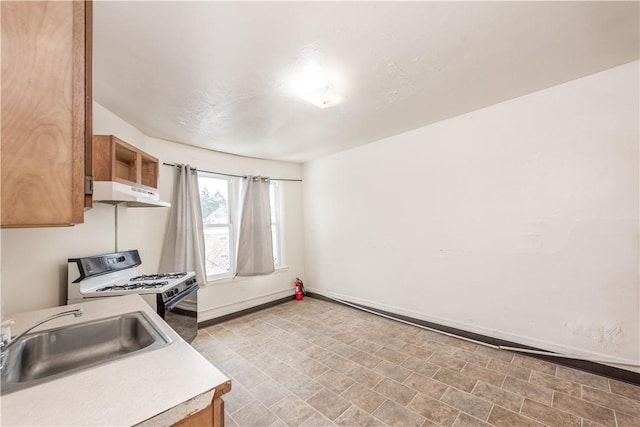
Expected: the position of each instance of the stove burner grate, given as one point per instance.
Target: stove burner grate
(158, 276)
(132, 286)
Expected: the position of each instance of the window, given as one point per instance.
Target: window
(274, 193)
(218, 195)
(216, 201)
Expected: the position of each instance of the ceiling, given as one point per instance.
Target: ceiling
(226, 75)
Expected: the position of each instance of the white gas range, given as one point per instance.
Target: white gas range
(117, 274)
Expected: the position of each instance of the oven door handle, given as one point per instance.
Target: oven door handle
(178, 299)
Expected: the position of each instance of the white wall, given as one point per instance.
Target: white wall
(518, 221)
(34, 260)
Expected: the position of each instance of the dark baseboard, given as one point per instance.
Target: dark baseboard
(584, 365)
(246, 311)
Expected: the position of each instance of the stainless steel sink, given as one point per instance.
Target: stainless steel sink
(51, 354)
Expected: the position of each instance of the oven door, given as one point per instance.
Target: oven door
(182, 315)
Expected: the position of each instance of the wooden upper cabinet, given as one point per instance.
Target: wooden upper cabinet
(116, 160)
(46, 112)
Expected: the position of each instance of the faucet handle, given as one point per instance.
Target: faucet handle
(5, 331)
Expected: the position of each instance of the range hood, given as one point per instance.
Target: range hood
(116, 193)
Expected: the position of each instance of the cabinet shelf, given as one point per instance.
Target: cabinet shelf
(116, 160)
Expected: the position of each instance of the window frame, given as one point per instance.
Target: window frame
(234, 191)
(232, 208)
(277, 222)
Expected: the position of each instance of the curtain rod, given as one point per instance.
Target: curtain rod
(237, 176)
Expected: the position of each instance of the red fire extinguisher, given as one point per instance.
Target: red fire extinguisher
(300, 292)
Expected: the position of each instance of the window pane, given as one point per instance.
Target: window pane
(276, 245)
(217, 248)
(214, 200)
(215, 193)
(274, 196)
(273, 201)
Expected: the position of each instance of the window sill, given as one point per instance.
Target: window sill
(226, 280)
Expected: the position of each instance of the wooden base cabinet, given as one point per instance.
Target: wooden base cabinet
(212, 415)
(46, 112)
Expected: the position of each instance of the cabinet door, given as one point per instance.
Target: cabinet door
(88, 102)
(44, 99)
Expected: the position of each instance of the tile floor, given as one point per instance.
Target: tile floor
(315, 363)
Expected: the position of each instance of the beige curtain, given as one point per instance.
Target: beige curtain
(255, 247)
(183, 248)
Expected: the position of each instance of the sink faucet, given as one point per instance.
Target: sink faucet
(6, 342)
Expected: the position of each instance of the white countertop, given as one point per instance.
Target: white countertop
(159, 386)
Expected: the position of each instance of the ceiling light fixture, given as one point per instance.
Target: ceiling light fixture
(311, 81)
(323, 97)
